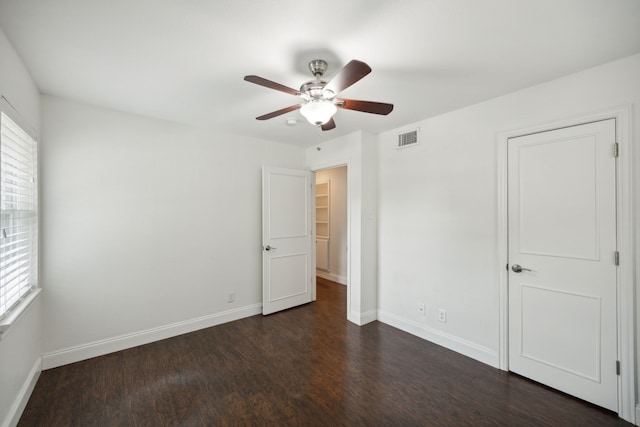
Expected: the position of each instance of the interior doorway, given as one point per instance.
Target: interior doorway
(331, 224)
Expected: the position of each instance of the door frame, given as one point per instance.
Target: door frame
(625, 237)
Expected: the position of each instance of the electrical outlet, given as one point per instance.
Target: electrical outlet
(442, 316)
(421, 309)
(231, 297)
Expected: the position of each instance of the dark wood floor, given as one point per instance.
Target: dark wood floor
(306, 366)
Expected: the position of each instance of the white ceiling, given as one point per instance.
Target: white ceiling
(184, 60)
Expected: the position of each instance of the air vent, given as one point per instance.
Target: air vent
(408, 139)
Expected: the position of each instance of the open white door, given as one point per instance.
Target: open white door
(562, 260)
(287, 237)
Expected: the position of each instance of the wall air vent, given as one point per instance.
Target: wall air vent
(408, 139)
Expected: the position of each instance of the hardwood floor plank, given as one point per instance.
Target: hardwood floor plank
(306, 366)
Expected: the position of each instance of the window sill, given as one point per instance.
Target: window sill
(14, 315)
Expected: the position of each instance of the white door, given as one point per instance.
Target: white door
(562, 234)
(287, 238)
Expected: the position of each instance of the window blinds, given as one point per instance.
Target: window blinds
(18, 214)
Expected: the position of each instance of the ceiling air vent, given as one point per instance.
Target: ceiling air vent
(408, 139)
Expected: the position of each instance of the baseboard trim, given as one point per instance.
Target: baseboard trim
(110, 345)
(23, 396)
(459, 345)
(637, 414)
(361, 319)
(333, 277)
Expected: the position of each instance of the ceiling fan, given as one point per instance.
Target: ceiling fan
(319, 102)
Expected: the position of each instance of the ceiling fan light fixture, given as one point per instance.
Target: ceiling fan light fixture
(318, 112)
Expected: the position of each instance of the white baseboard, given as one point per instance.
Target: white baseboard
(459, 345)
(331, 276)
(23, 396)
(637, 414)
(102, 347)
(361, 319)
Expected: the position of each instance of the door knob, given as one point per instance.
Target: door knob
(518, 269)
(268, 248)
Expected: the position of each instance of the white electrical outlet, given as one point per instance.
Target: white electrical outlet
(442, 316)
(421, 309)
(231, 297)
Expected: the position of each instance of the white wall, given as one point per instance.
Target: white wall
(338, 221)
(20, 346)
(148, 226)
(358, 151)
(439, 205)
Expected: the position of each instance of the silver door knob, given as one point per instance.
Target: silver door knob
(268, 248)
(518, 269)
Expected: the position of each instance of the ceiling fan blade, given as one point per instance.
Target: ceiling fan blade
(272, 85)
(279, 112)
(331, 124)
(364, 106)
(350, 73)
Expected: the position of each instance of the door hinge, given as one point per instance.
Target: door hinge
(617, 367)
(616, 149)
(616, 258)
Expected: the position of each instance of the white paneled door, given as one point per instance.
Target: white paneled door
(287, 238)
(562, 260)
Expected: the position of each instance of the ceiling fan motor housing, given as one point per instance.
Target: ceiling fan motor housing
(314, 89)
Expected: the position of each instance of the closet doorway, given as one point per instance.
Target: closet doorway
(331, 224)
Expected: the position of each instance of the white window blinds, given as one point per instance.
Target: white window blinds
(18, 214)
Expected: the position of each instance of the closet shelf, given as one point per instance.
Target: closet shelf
(323, 201)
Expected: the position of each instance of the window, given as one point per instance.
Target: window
(18, 214)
